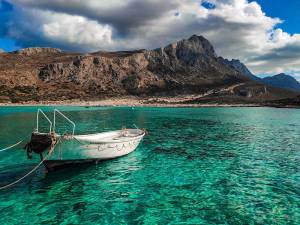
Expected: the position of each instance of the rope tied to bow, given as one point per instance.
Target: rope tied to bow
(54, 141)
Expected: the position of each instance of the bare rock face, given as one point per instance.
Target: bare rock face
(37, 51)
(195, 52)
(239, 66)
(186, 67)
(191, 66)
(97, 74)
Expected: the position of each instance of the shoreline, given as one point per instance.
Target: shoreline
(131, 101)
(167, 102)
(88, 104)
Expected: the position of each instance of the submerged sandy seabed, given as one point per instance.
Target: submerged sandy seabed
(131, 101)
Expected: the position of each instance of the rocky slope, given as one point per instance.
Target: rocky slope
(186, 67)
(241, 67)
(282, 80)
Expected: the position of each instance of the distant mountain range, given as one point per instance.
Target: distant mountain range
(280, 80)
(283, 81)
(187, 67)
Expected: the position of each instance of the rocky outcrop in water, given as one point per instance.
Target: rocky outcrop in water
(189, 66)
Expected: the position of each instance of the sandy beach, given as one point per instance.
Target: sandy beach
(130, 101)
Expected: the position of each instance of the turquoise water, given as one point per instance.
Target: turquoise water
(196, 166)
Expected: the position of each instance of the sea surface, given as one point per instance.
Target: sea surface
(195, 166)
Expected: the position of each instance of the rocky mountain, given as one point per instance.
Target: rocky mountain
(37, 51)
(1, 50)
(189, 66)
(283, 81)
(241, 67)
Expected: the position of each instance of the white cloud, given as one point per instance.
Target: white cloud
(237, 28)
(77, 30)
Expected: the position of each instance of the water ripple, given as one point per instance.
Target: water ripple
(196, 166)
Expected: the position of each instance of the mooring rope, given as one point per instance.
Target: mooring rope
(54, 142)
(12, 146)
(26, 175)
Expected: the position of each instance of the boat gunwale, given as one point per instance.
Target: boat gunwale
(128, 139)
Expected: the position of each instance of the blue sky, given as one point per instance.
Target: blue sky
(8, 44)
(287, 10)
(290, 13)
(264, 34)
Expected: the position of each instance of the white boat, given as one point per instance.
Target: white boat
(66, 149)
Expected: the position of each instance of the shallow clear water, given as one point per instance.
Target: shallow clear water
(196, 166)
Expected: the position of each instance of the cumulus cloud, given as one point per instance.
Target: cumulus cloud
(124, 16)
(237, 28)
(76, 30)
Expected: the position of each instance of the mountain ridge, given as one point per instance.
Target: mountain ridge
(241, 67)
(282, 80)
(189, 66)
